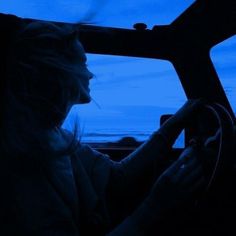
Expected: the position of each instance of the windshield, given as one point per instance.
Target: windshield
(129, 96)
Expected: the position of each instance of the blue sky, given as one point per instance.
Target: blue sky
(123, 82)
(119, 13)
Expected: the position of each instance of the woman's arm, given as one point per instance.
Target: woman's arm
(175, 188)
(132, 177)
(154, 150)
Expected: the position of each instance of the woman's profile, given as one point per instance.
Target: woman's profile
(54, 185)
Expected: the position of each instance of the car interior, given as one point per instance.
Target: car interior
(186, 43)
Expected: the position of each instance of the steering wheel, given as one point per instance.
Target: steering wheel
(214, 132)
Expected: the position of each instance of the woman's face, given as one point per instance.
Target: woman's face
(84, 75)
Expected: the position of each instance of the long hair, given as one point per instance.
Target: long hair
(41, 83)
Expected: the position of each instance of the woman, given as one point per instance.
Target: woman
(53, 185)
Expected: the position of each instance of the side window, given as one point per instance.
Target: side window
(129, 96)
(223, 56)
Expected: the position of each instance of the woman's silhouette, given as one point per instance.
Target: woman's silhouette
(54, 185)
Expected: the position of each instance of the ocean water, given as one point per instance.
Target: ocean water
(111, 124)
(115, 135)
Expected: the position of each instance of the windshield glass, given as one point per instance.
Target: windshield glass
(129, 96)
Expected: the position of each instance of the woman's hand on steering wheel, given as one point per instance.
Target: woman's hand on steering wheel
(179, 184)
